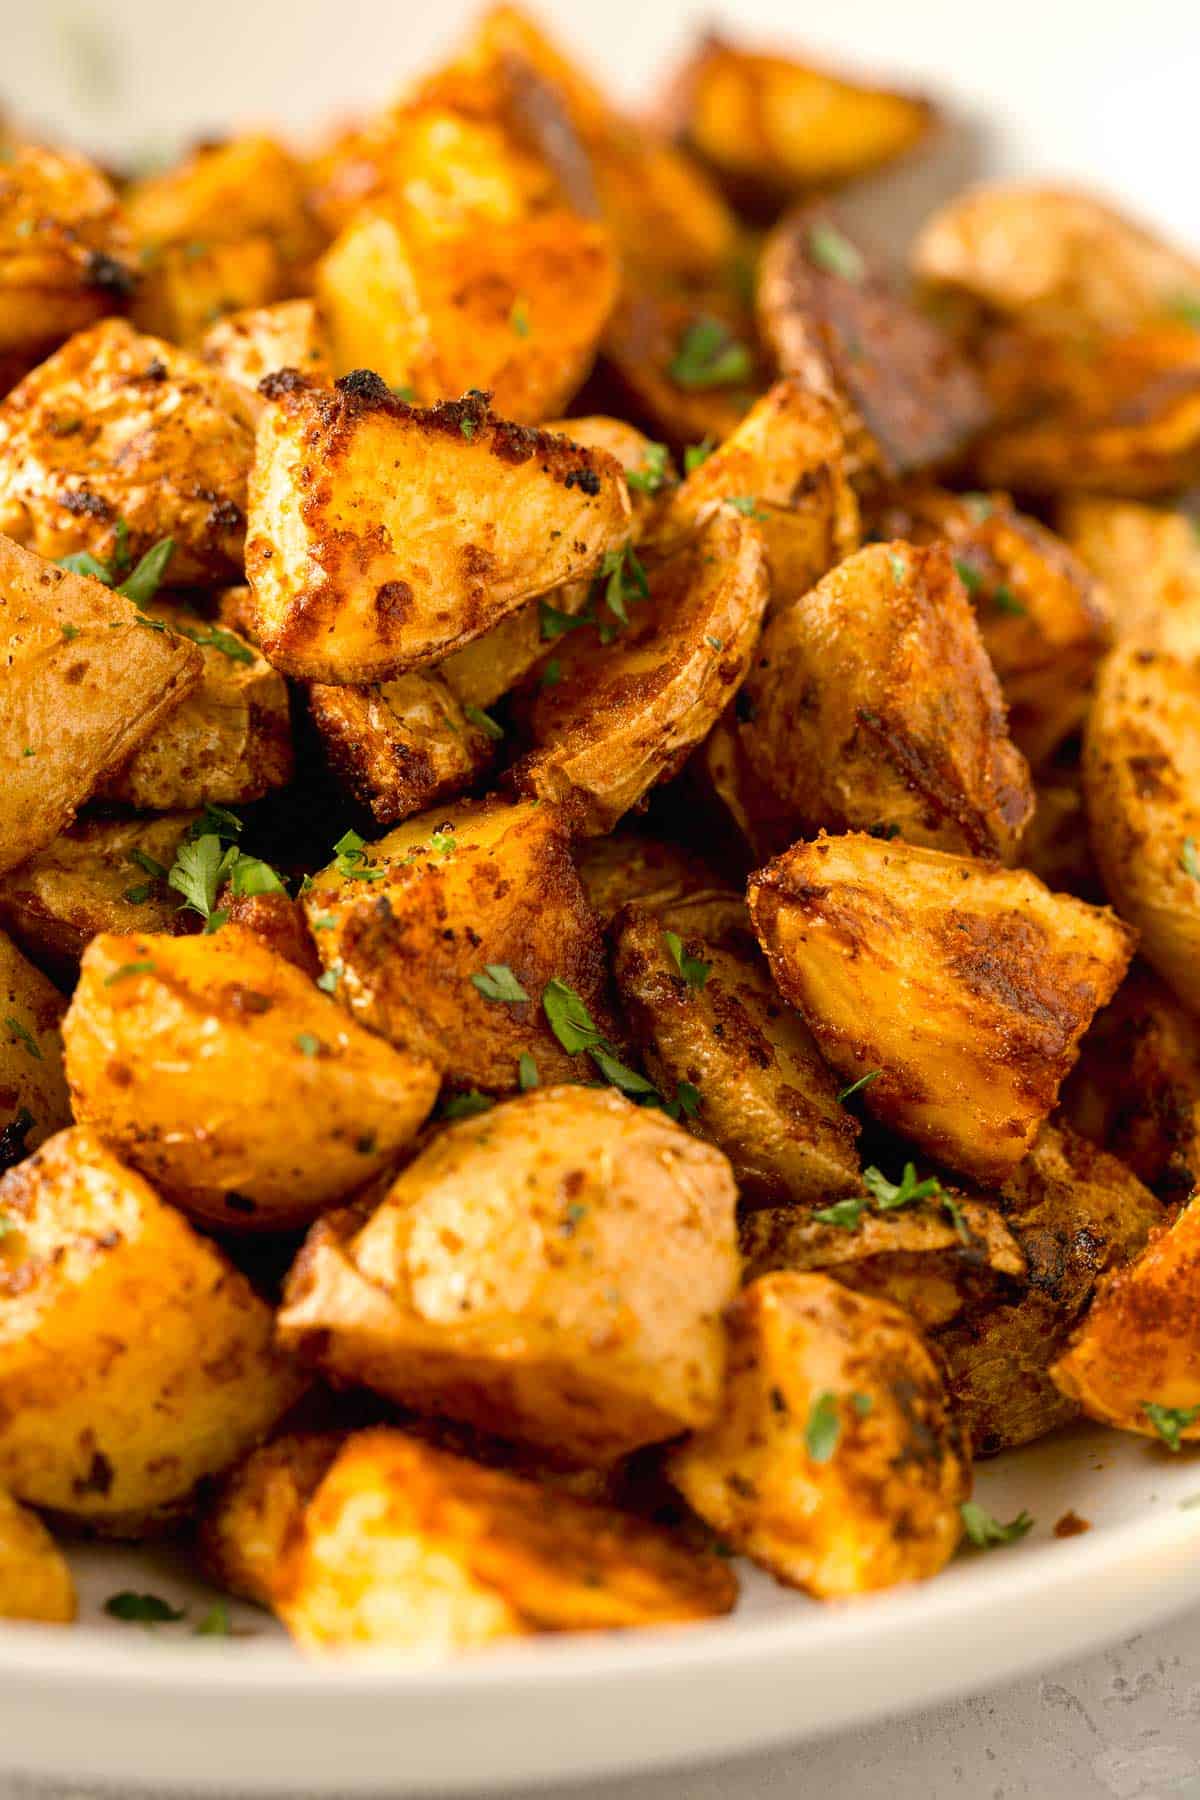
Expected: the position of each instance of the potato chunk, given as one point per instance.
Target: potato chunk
(707, 1016)
(836, 1461)
(968, 986)
(258, 1511)
(33, 1088)
(408, 1548)
(187, 286)
(225, 193)
(66, 257)
(688, 361)
(401, 745)
(82, 684)
(261, 340)
(412, 920)
(1141, 770)
(1148, 558)
(35, 1580)
(872, 703)
(1134, 1362)
(504, 1279)
(382, 537)
(630, 867)
(625, 715)
(218, 1070)
(134, 1358)
(120, 429)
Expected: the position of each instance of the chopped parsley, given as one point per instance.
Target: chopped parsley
(1185, 308)
(888, 1195)
(467, 426)
(824, 1427)
(709, 356)
(957, 1218)
(862, 1404)
(307, 1043)
(518, 318)
(215, 637)
(329, 979)
(970, 577)
(497, 982)
(250, 875)
(351, 859)
(654, 472)
(694, 972)
(1189, 861)
(198, 871)
(832, 251)
(142, 1609)
(898, 567)
(128, 969)
(145, 580)
(747, 505)
(25, 1038)
(552, 673)
(1005, 601)
(484, 722)
(576, 1031)
(987, 1533)
(216, 1622)
(686, 1103)
(527, 1073)
(556, 624)
(1170, 1421)
(696, 455)
(443, 845)
(465, 1106)
(856, 1087)
(624, 579)
(70, 632)
(148, 864)
(845, 1214)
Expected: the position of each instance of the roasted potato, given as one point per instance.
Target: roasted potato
(872, 704)
(356, 579)
(185, 287)
(624, 716)
(246, 187)
(35, 1580)
(836, 1462)
(257, 1512)
(1148, 558)
(749, 816)
(1141, 766)
(504, 1280)
(222, 1074)
(277, 921)
(66, 257)
(631, 867)
(33, 1089)
(246, 345)
(410, 1549)
(120, 440)
(134, 1358)
(402, 745)
(83, 683)
(686, 361)
(968, 986)
(412, 920)
(1056, 847)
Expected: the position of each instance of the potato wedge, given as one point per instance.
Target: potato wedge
(134, 1358)
(243, 188)
(1141, 765)
(402, 745)
(624, 716)
(1056, 846)
(188, 286)
(278, 922)
(1148, 558)
(494, 514)
(686, 361)
(836, 1462)
(82, 684)
(705, 1013)
(222, 1074)
(33, 1089)
(257, 1512)
(630, 867)
(121, 429)
(751, 821)
(408, 1548)
(412, 919)
(35, 1578)
(872, 705)
(967, 985)
(248, 344)
(504, 1281)
(66, 257)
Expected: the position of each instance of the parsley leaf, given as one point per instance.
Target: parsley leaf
(465, 1106)
(1005, 601)
(888, 1195)
(987, 1533)
(970, 577)
(351, 859)
(485, 722)
(1170, 1421)
(823, 1429)
(499, 983)
(128, 969)
(696, 455)
(624, 579)
(747, 505)
(556, 624)
(576, 1031)
(898, 567)
(142, 1609)
(527, 1073)
(307, 1043)
(1185, 308)
(216, 1622)
(25, 1038)
(146, 579)
(215, 637)
(654, 472)
(250, 875)
(694, 972)
(217, 819)
(328, 980)
(147, 864)
(518, 318)
(443, 844)
(709, 356)
(198, 871)
(1189, 862)
(845, 1214)
(955, 1214)
(833, 252)
(856, 1087)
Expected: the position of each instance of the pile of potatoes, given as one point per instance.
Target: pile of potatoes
(600, 948)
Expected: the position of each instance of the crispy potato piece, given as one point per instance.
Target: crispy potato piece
(906, 398)
(82, 883)
(624, 716)
(765, 1096)
(258, 1510)
(66, 257)
(278, 922)
(35, 1578)
(408, 1548)
(771, 126)
(83, 683)
(399, 747)
(187, 286)
(629, 867)
(1052, 260)
(1148, 558)
(120, 428)
(1138, 1346)
(134, 1358)
(969, 986)
(1141, 767)
(357, 579)
(230, 741)
(836, 1462)
(474, 884)
(754, 822)
(504, 1280)
(1043, 620)
(244, 188)
(222, 1074)
(246, 345)
(687, 361)
(872, 704)
(33, 1088)
(1075, 1212)
(1056, 847)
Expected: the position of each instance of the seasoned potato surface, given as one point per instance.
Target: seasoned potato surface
(33, 1087)
(35, 1581)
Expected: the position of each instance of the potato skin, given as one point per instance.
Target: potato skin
(883, 1507)
(258, 1511)
(200, 1070)
(504, 1282)
(33, 1088)
(1141, 766)
(66, 257)
(650, 323)
(260, 340)
(631, 867)
(968, 985)
(518, 512)
(134, 1359)
(401, 745)
(35, 1580)
(1148, 558)
(872, 703)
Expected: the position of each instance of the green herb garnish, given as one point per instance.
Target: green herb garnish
(497, 982)
(710, 356)
(823, 1429)
(834, 252)
(694, 972)
(987, 1533)
(1170, 1421)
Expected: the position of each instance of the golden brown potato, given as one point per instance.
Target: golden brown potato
(35, 1580)
(408, 1548)
(33, 1088)
(1141, 780)
(624, 716)
(1043, 620)
(704, 1011)
(906, 398)
(185, 287)
(117, 429)
(628, 867)
(244, 188)
(872, 705)
(836, 1461)
(1056, 847)
(688, 361)
(66, 257)
(230, 741)
(747, 814)
(83, 682)
(257, 1512)
(771, 126)
(1134, 1362)
(968, 986)
(220, 1072)
(414, 918)
(1148, 558)
(277, 921)
(403, 745)
(134, 1358)
(504, 1280)
(356, 578)
(260, 341)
